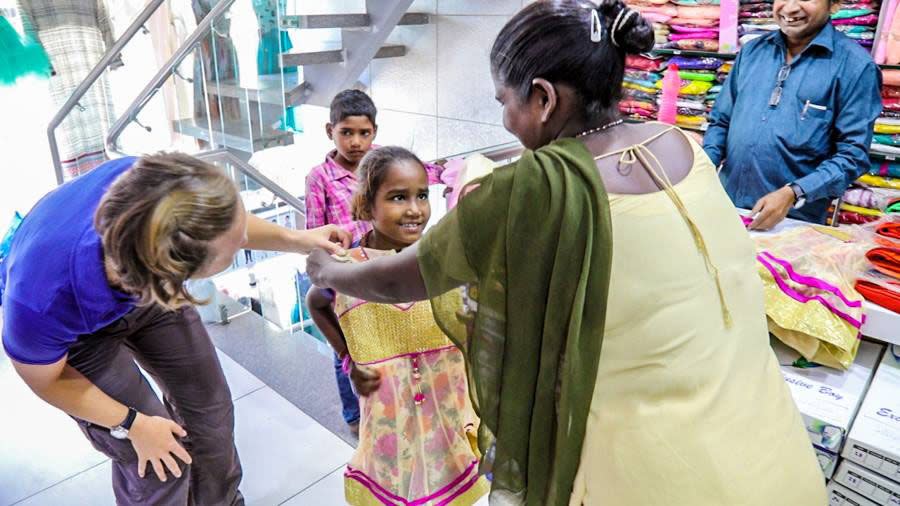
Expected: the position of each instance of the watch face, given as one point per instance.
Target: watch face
(119, 432)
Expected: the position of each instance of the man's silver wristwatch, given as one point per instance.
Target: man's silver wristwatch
(799, 196)
(121, 431)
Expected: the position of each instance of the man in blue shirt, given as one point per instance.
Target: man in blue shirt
(793, 124)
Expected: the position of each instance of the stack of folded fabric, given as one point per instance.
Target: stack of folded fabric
(887, 128)
(756, 19)
(857, 19)
(881, 284)
(639, 92)
(885, 171)
(659, 15)
(887, 48)
(695, 27)
(861, 204)
(698, 77)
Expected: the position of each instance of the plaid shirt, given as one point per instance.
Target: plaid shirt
(329, 196)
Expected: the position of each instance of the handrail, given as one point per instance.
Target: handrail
(495, 153)
(224, 155)
(130, 114)
(91, 78)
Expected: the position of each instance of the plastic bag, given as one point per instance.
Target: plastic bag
(808, 275)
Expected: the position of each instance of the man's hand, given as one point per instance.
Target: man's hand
(772, 209)
(153, 438)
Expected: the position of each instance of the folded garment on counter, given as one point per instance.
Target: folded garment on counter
(885, 261)
(879, 294)
(880, 181)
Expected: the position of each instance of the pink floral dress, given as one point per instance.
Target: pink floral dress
(417, 432)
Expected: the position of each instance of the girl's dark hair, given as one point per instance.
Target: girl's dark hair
(371, 173)
(552, 40)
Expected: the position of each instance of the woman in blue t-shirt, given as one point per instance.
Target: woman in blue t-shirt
(94, 280)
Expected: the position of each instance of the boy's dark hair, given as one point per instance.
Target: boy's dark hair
(352, 103)
(552, 40)
(372, 170)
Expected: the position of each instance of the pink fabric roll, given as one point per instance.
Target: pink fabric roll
(699, 11)
(694, 22)
(868, 20)
(711, 35)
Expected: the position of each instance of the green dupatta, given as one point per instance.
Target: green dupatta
(534, 244)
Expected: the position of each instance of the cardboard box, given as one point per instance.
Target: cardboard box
(827, 461)
(827, 398)
(868, 484)
(874, 440)
(838, 495)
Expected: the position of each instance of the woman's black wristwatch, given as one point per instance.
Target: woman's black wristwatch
(121, 431)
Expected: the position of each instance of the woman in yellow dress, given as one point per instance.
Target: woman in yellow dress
(616, 340)
(416, 417)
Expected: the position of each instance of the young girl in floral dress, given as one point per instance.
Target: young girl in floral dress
(417, 426)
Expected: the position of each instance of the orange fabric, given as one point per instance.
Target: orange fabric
(880, 295)
(891, 230)
(885, 260)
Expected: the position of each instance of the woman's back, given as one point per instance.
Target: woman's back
(688, 410)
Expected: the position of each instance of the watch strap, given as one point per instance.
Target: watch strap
(129, 418)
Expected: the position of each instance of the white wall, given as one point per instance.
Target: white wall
(438, 100)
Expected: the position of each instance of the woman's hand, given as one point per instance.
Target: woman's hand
(319, 264)
(366, 381)
(153, 438)
(331, 238)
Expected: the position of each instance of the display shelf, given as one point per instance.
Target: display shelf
(630, 119)
(700, 54)
(880, 156)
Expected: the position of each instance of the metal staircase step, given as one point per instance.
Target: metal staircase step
(265, 89)
(345, 21)
(240, 135)
(289, 60)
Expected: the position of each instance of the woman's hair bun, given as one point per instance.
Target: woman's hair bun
(626, 28)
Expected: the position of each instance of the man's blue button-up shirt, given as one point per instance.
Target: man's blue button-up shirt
(817, 136)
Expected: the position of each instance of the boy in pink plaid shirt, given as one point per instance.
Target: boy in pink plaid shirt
(330, 186)
(329, 194)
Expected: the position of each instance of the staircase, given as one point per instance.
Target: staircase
(304, 77)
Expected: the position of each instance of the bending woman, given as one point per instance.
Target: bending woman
(95, 280)
(685, 405)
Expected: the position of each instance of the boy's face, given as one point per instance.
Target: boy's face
(352, 137)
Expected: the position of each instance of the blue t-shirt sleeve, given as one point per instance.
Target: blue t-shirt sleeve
(30, 337)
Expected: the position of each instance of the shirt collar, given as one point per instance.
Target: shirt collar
(824, 39)
(336, 170)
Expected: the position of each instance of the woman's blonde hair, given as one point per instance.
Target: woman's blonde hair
(156, 222)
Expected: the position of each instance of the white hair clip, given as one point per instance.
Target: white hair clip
(621, 19)
(596, 26)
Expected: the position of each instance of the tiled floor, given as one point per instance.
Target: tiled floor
(287, 457)
(44, 459)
